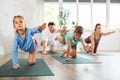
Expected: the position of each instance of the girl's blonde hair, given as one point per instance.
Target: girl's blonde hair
(18, 16)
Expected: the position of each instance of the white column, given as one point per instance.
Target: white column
(91, 5)
(60, 3)
(41, 11)
(77, 6)
(108, 13)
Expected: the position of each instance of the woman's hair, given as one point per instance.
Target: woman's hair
(98, 24)
(51, 23)
(79, 30)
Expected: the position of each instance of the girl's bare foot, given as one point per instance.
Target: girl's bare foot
(68, 59)
(16, 67)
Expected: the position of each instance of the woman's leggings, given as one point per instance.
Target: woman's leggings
(95, 47)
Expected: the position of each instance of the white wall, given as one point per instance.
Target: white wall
(8, 9)
(111, 42)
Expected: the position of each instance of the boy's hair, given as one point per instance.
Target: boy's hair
(79, 30)
(51, 23)
(98, 24)
(18, 16)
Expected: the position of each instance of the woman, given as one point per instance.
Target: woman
(94, 38)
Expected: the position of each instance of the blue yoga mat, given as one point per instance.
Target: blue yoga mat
(78, 60)
(40, 68)
(97, 54)
(48, 52)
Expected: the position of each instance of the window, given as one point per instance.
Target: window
(84, 0)
(51, 12)
(50, 0)
(100, 1)
(84, 16)
(114, 16)
(115, 1)
(99, 14)
(73, 13)
(69, 0)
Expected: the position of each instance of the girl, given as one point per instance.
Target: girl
(24, 39)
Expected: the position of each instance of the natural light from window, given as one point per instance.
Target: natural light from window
(51, 12)
(84, 16)
(114, 16)
(73, 13)
(99, 15)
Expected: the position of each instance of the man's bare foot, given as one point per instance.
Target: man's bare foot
(44, 53)
(52, 50)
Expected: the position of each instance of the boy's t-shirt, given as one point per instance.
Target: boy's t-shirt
(70, 34)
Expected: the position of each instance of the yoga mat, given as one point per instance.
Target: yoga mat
(77, 60)
(48, 52)
(40, 68)
(97, 54)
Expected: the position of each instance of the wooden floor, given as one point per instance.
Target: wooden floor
(108, 70)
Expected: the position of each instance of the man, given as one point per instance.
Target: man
(50, 36)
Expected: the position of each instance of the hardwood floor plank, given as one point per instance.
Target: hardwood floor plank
(108, 70)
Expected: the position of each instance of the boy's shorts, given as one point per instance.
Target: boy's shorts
(66, 46)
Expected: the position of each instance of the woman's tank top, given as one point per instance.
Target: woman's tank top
(87, 40)
(96, 40)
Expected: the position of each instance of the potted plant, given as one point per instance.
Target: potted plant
(63, 21)
(74, 25)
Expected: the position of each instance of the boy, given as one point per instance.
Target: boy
(72, 39)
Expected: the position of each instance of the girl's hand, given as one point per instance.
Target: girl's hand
(42, 27)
